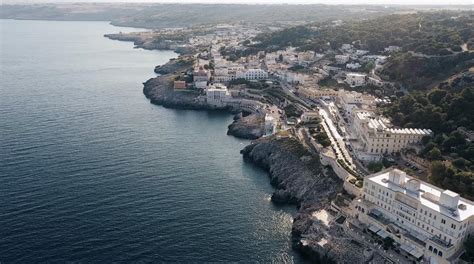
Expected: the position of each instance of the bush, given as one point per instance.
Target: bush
(375, 166)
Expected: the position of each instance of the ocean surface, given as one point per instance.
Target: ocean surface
(91, 172)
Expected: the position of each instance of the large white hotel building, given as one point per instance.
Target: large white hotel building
(427, 222)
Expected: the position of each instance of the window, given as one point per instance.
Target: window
(443, 221)
(430, 248)
(453, 226)
(440, 253)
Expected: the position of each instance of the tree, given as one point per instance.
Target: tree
(323, 139)
(387, 243)
(375, 166)
(469, 247)
(434, 154)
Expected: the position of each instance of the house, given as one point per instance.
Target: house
(353, 66)
(355, 79)
(201, 75)
(341, 59)
(428, 223)
(270, 125)
(217, 95)
(179, 85)
(390, 49)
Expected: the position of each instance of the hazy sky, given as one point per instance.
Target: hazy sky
(384, 2)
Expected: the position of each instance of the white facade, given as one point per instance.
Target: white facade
(342, 59)
(217, 95)
(428, 222)
(252, 74)
(355, 79)
(377, 137)
(351, 101)
(270, 125)
(353, 66)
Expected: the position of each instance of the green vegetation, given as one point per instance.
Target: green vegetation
(149, 15)
(292, 111)
(436, 33)
(388, 243)
(323, 139)
(375, 166)
(443, 109)
(422, 73)
(469, 247)
(451, 178)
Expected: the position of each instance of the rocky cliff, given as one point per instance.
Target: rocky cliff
(249, 127)
(298, 178)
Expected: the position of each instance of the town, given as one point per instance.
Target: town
(331, 102)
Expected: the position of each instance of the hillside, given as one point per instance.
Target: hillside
(184, 15)
(449, 111)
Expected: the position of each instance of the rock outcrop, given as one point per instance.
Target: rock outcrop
(248, 127)
(298, 178)
(160, 91)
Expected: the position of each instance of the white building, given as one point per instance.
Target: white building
(341, 59)
(427, 222)
(252, 74)
(353, 66)
(377, 137)
(393, 49)
(200, 77)
(293, 77)
(355, 79)
(217, 95)
(270, 125)
(351, 101)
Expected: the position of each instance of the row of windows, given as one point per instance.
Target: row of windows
(436, 251)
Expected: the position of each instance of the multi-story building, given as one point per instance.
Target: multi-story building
(217, 95)
(426, 221)
(356, 79)
(252, 74)
(341, 59)
(351, 101)
(200, 77)
(377, 136)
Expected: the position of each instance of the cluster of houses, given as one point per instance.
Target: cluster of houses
(426, 222)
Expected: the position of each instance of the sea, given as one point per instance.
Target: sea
(91, 172)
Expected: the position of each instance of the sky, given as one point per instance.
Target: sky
(382, 2)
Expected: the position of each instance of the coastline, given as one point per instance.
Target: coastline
(295, 172)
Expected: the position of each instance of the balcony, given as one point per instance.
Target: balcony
(441, 242)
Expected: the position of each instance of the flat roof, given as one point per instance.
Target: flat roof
(381, 178)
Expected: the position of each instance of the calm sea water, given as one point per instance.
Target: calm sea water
(90, 171)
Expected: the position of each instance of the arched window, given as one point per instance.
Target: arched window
(435, 250)
(440, 253)
(430, 248)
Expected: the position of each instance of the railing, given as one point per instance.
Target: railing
(441, 242)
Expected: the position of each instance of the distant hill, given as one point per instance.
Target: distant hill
(181, 15)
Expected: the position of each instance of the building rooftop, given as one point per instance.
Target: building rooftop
(446, 202)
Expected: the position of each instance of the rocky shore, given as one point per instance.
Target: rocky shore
(299, 179)
(146, 40)
(294, 171)
(160, 91)
(248, 127)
